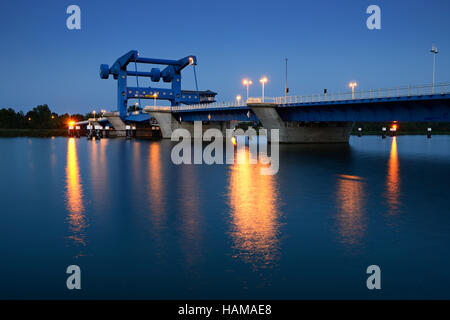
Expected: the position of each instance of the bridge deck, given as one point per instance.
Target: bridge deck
(419, 104)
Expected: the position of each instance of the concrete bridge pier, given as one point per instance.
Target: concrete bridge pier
(300, 132)
(117, 123)
(168, 123)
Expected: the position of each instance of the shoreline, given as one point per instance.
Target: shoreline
(48, 133)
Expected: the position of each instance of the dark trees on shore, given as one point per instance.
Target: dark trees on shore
(40, 117)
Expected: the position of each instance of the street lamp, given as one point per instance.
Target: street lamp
(286, 89)
(238, 99)
(353, 85)
(155, 95)
(434, 51)
(247, 82)
(94, 112)
(263, 81)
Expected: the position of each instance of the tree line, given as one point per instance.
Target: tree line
(40, 117)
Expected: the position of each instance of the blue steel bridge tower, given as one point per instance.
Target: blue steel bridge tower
(170, 74)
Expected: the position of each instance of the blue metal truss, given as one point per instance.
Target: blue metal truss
(171, 74)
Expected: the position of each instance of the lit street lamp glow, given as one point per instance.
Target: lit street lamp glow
(155, 96)
(247, 83)
(263, 81)
(353, 85)
(238, 99)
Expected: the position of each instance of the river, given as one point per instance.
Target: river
(140, 226)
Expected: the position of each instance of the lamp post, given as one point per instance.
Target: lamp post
(286, 89)
(155, 95)
(247, 82)
(434, 51)
(353, 85)
(238, 99)
(94, 112)
(263, 81)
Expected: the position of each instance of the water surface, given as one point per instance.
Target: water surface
(142, 227)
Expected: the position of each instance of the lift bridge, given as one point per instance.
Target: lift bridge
(170, 74)
(320, 118)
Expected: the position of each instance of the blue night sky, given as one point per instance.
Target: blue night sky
(327, 43)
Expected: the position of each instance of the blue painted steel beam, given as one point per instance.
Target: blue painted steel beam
(435, 109)
(172, 74)
(186, 97)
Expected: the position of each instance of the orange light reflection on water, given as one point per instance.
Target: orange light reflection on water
(255, 222)
(156, 199)
(74, 197)
(350, 196)
(155, 183)
(98, 173)
(393, 180)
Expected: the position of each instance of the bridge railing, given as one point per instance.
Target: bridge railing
(157, 108)
(404, 91)
(211, 105)
(197, 106)
(275, 100)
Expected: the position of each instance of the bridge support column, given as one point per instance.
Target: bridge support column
(298, 132)
(117, 123)
(167, 122)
